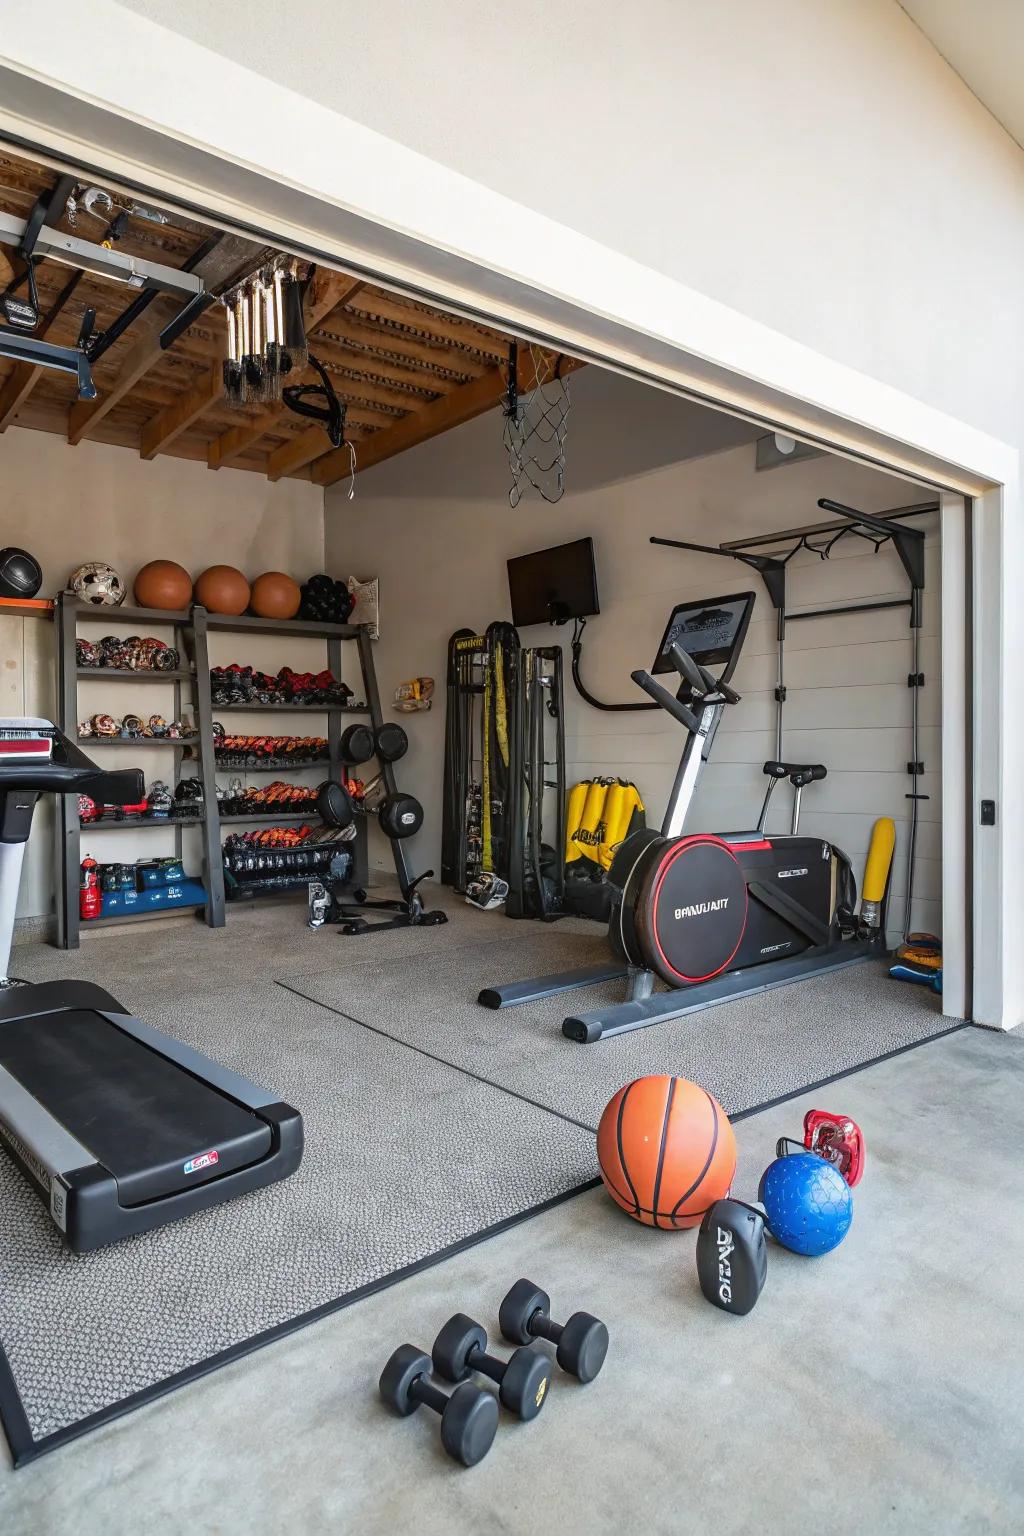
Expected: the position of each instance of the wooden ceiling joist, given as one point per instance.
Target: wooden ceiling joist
(483, 394)
(399, 347)
(439, 328)
(176, 418)
(404, 370)
(472, 400)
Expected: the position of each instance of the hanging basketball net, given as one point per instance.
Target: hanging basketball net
(536, 421)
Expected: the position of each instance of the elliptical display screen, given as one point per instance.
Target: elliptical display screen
(712, 631)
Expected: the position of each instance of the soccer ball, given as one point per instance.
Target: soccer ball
(98, 584)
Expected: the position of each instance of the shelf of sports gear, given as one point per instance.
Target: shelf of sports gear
(210, 764)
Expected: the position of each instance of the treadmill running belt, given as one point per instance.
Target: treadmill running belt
(141, 1116)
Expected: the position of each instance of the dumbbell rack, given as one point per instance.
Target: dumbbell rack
(191, 629)
(334, 767)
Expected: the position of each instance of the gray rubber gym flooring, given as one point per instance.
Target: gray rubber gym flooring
(428, 1122)
(879, 1390)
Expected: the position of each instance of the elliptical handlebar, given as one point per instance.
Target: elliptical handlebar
(675, 707)
(704, 683)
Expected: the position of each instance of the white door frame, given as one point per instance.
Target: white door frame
(104, 89)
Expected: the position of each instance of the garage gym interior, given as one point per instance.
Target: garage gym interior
(477, 790)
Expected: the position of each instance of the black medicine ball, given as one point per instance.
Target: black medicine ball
(20, 573)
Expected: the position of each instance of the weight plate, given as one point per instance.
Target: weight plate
(392, 742)
(400, 815)
(334, 805)
(357, 744)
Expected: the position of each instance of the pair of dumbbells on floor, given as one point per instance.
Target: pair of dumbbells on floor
(469, 1415)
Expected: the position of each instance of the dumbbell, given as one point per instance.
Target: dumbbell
(469, 1415)
(732, 1256)
(582, 1342)
(399, 815)
(523, 1380)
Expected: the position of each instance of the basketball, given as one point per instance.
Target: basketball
(222, 589)
(666, 1150)
(163, 584)
(275, 596)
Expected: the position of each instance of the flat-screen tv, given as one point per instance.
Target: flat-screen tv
(553, 585)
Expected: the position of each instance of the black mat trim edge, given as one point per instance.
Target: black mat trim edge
(25, 1449)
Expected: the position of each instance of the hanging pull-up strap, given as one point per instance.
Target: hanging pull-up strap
(300, 397)
(22, 313)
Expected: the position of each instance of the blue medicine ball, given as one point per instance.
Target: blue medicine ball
(808, 1203)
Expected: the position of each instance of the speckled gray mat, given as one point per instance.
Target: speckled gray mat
(404, 1158)
(428, 1121)
(746, 1052)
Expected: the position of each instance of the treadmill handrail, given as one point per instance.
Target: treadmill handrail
(77, 773)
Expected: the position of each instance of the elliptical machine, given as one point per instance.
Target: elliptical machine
(713, 916)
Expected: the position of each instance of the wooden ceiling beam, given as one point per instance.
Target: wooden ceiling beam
(160, 431)
(348, 330)
(482, 394)
(440, 328)
(310, 445)
(327, 291)
(472, 400)
(417, 380)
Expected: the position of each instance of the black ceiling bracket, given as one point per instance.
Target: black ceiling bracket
(771, 569)
(908, 542)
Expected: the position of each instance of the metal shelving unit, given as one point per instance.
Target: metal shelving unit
(191, 631)
(190, 642)
(332, 766)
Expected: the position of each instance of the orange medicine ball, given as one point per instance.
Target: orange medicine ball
(163, 584)
(222, 589)
(666, 1150)
(275, 596)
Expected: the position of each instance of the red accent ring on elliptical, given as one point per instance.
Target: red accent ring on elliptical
(677, 850)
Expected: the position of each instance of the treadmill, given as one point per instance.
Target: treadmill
(117, 1127)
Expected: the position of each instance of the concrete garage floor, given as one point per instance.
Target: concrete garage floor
(882, 1385)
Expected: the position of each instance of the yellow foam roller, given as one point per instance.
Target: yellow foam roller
(876, 870)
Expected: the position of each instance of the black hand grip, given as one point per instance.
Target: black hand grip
(699, 678)
(689, 670)
(660, 695)
(798, 773)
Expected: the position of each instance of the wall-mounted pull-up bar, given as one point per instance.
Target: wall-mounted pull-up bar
(878, 529)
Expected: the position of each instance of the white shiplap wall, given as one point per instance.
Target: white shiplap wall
(436, 527)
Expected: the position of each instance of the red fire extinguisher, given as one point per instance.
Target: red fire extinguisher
(90, 897)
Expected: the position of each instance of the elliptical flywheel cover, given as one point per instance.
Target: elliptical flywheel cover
(690, 909)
